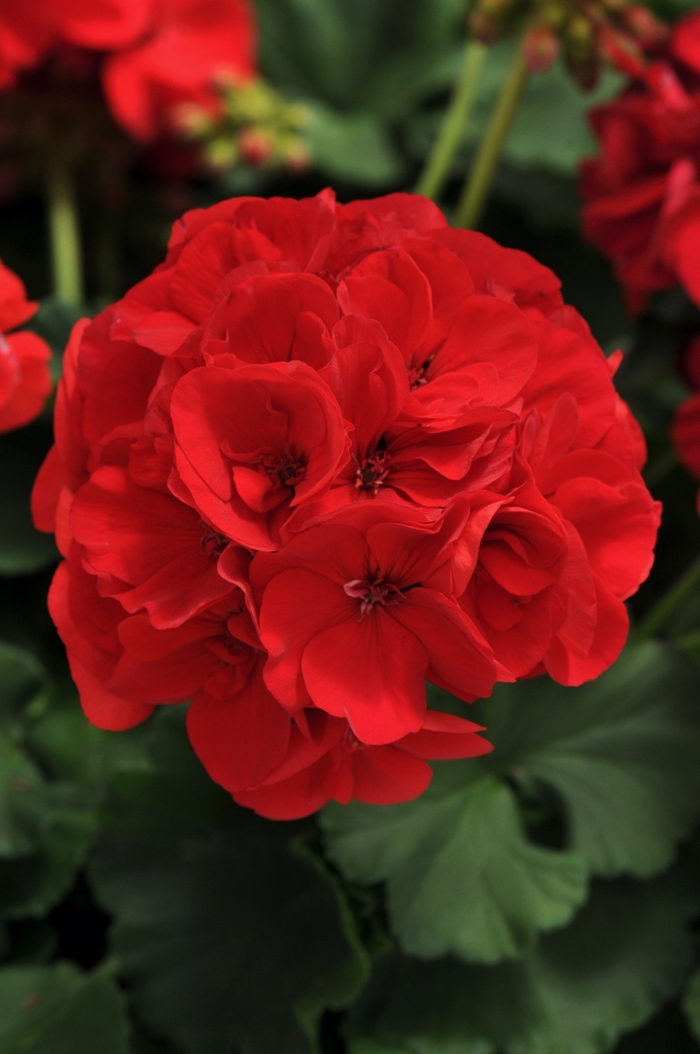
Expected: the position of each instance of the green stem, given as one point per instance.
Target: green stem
(483, 170)
(438, 165)
(675, 598)
(66, 255)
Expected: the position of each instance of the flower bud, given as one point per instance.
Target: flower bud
(644, 25)
(541, 48)
(581, 51)
(255, 146)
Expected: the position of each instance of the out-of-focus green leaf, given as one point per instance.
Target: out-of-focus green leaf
(23, 550)
(21, 677)
(691, 1004)
(367, 55)
(72, 749)
(59, 1010)
(362, 67)
(574, 993)
(353, 147)
(219, 930)
(45, 825)
(623, 755)
(54, 321)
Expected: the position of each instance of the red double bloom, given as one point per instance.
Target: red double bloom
(324, 453)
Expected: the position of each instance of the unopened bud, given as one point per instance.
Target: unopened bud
(191, 120)
(255, 146)
(296, 155)
(581, 51)
(555, 15)
(541, 48)
(644, 25)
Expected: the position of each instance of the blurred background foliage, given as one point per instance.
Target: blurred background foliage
(543, 900)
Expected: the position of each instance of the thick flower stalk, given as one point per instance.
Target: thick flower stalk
(324, 453)
(643, 192)
(25, 378)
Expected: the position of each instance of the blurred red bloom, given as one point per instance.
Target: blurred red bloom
(184, 47)
(324, 453)
(154, 54)
(643, 191)
(25, 379)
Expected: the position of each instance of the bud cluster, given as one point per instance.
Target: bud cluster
(585, 32)
(253, 125)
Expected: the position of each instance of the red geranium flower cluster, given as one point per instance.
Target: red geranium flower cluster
(25, 380)
(323, 453)
(643, 192)
(156, 53)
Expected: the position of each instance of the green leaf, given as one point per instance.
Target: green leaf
(342, 986)
(357, 54)
(21, 677)
(72, 749)
(623, 756)
(46, 826)
(23, 550)
(574, 993)
(622, 751)
(54, 321)
(461, 874)
(353, 147)
(58, 1010)
(31, 884)
(219, 930)
(550, 129)
(691, 1004)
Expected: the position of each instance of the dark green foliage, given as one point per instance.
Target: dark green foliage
(219, 929)
(58, 1010)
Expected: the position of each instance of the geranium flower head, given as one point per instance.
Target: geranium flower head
(324, 453)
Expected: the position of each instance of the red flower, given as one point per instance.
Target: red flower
(186, 45)
(25, 380)
(157, 53)
(643, 192)
(366, 589)
(323, 453)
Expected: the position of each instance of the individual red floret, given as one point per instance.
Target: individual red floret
(326, 761)
(354, 617)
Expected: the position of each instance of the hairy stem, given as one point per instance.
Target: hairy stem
(439, 163)
(480, 178)
(670, 603)
(64, 230)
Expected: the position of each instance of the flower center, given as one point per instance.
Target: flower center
(372, 473)
(286, 467)
(372, 594)
(212, 542)
(416, 374)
